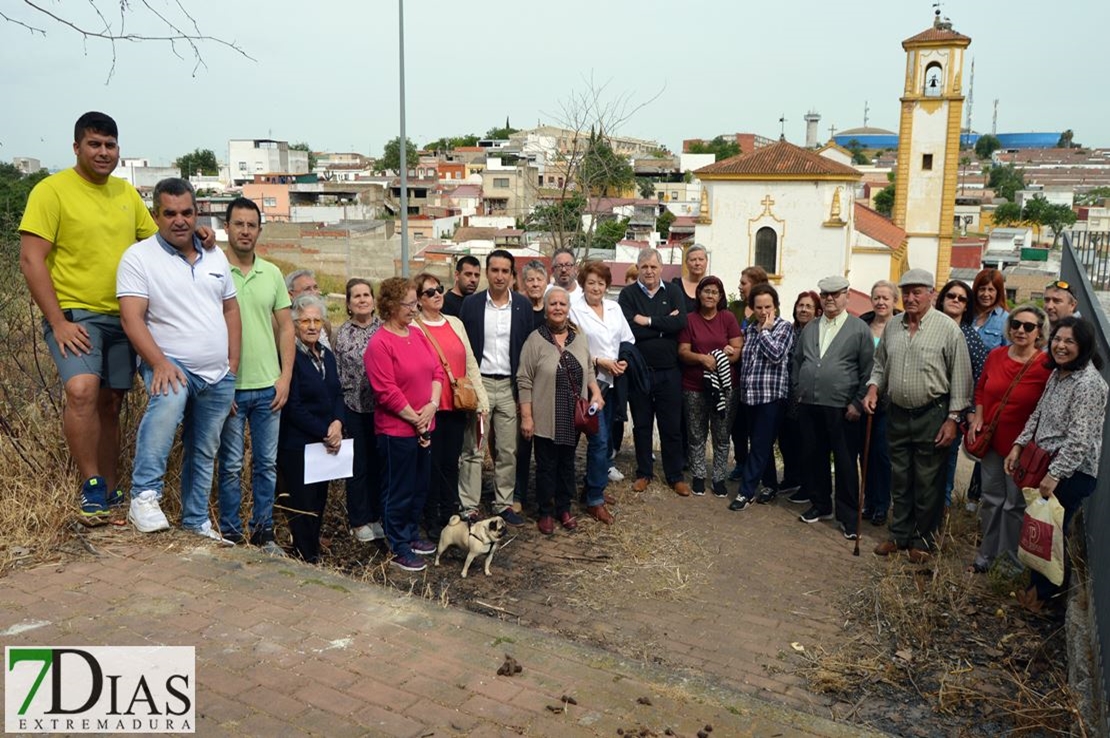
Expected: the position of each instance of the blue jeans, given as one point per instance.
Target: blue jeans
(253, 409)
(763, 426)
(406, 471)
(201, 409)
(597, 457)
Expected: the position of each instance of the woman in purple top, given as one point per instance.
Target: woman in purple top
(407, 379)
(709, 347)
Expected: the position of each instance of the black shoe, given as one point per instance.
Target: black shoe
(812, 515)
(851, 535)
(740, 503)
(878, 519)
(766, 496)
(259, 537)
(236, 538)
(698, 486)
(736, 473)
(798, 497)
(719, 489)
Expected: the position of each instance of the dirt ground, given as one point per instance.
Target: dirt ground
(759, 602)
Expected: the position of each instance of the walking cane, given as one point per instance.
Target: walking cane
(863, 481)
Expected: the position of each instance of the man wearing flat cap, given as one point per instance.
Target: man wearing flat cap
(832, 364)
(923, 367)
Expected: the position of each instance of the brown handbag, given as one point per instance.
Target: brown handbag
(1032, 465)
(982, 443)
(585, 421)
(463, 395)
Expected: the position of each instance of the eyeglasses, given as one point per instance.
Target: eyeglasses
(409, 305)
(954, 296)
(309, 322)
(433, 291)
(1059, 284)
(1025, 326)
(563, 266)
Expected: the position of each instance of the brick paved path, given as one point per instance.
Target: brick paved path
(288, 649)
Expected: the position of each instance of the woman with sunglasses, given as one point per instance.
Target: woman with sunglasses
(449, 340)
(407, 379)
(954, 300)
(1067, 423)
(1016, 373)
(989, 309)
(314, 413)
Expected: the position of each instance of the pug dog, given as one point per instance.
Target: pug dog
(477, 539)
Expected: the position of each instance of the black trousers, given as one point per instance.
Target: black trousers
(364, 488)
(661, 405)
(554, 476)
(304, 504)
(826, 431)
(443, 487)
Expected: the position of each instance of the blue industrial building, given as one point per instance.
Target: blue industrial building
(878, 138)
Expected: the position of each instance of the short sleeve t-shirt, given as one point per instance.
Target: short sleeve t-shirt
(185, 303)
(261, 292)
(90, 226)
(705, 336)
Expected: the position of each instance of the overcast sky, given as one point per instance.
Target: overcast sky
(326, 72)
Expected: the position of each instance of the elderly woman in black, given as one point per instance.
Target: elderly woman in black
(314, 413)
(555, 370)
(1067, 423)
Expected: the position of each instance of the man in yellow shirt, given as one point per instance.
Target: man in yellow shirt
(75, 228)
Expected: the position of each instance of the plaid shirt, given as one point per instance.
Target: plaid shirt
(934, 362)
(765, 363)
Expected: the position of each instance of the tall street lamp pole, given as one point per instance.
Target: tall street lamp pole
(403, 145)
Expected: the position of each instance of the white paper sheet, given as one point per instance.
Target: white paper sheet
(320, 466)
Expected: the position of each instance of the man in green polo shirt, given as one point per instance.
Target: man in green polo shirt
(262, 385)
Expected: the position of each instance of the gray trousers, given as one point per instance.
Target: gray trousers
(1001, 511)
(918, 470)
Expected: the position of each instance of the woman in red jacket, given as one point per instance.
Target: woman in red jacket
(1022, 366)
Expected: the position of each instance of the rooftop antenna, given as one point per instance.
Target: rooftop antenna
(866, 110)
(782, 127)
(994, 119)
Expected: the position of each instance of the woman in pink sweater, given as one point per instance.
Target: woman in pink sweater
(407, 379)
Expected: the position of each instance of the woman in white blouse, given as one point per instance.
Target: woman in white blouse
(603, 323)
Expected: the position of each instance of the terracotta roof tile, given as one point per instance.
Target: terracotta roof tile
(877, 226)
(934, 34)
(780, 159)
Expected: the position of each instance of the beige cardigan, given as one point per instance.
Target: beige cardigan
(472, 372)
(535, 379)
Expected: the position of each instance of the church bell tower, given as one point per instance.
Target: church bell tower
(929, 145)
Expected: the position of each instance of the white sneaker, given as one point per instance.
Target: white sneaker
(208, 531)
(615, 474)
(145, 514)
(369, 532)
(271, 548)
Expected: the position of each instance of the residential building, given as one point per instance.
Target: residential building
(26, 164)
(251, 156)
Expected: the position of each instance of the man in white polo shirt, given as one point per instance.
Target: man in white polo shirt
(178, 308)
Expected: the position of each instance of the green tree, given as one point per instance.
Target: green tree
(609, 232)
(1041, 212)
(1093, 196)
(449, 143)
(1008, 213)
(501, 133)
(646, 187)
(987, 145)
(884, 200)
(720, 147)
(391, 155)
(663, 223)
(602, 170)
(303, 146)
(15, 186)
(1067, 141)
(201, 160)
(1005, 180)
(562, 217)
(858, 155)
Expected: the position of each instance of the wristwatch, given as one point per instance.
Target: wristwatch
(955, 417)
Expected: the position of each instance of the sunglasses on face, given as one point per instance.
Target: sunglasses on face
(954, 296)
(827, 295)
(309, 322)
(433, 291)
(1025, 326)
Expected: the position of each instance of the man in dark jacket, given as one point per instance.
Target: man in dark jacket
(497, 322)
(656, 312)
(832, 364)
